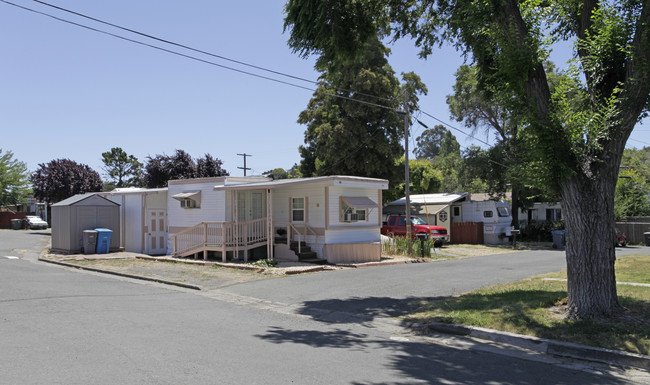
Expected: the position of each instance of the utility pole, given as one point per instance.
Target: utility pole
(407, 190)
(244, 168)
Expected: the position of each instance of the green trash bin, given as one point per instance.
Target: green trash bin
(16, 224)
(646, 238)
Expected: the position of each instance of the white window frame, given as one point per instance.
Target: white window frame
(188, 203)
(303, 209)
(350, 214)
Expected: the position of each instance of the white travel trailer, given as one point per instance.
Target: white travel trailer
(495, 215)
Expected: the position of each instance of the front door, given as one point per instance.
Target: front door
(156, 236)
(250, 205)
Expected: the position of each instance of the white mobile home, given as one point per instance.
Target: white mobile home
(334, 218)
(143, 218)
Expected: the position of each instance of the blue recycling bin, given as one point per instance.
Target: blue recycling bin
(103, 240)
(558, 239)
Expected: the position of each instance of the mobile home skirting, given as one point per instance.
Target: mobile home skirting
(352, 252)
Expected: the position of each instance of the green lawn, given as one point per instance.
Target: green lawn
(534, 307)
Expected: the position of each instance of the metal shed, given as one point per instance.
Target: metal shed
(72, 216)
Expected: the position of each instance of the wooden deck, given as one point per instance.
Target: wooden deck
(221, 236)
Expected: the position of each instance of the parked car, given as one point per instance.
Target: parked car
(35, 223)
(621, 239)
(396, 226)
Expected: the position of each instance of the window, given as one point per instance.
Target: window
(488, 214)
(456, 211)
(297, 209)
(351, 214)
(503, 211)
(189, 199)
(553, 214)
(187, 203)
(355, 208)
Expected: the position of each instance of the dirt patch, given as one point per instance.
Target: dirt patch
(212, 275)
(207, 277)
(474, 250)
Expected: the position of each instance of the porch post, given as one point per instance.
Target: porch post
(269, 224)
(205, 241)
(224, 237)
(235, 200)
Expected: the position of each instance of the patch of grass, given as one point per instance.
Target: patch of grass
(531, 307)
(399, 246)
(265, 263)
(633, 268)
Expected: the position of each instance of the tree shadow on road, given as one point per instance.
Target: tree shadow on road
(404, 361)
(351, 310)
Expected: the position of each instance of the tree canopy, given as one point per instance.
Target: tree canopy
(577, 131)
(352, 124)
(123, 170)
(162, 168)
(633, 188)
(14, 179)
(436, 141)
(62, 178)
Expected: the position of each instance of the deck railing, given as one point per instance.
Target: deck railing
(293, 231)
(220, 235)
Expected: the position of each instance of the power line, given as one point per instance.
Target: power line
(635, 140)
(207, 61)
(199, 50)
(176, 44)
(223, 58)
(455, 128)
(155, 47)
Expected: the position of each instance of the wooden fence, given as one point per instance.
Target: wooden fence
(467, 232)
(634, 231)
(6, 217)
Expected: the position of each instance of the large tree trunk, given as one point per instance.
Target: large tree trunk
(588, 212)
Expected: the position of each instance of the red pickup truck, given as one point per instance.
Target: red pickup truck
(396, 226)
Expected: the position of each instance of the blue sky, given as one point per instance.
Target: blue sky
(67, 92)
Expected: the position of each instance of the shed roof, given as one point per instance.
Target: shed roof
(82, 197)
(432, 199)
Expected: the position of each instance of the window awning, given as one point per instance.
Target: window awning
(193, 195)
(360, 202)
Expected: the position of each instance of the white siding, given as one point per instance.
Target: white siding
(335, 194)
(131, 220)
(213, 205)
(354, 232)
(315, 203)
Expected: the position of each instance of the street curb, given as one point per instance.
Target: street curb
(380, 263)
(542, 345)
(199, 262)
(140, 277)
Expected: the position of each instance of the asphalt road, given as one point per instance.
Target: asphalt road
(61, 326)
(396, 290)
